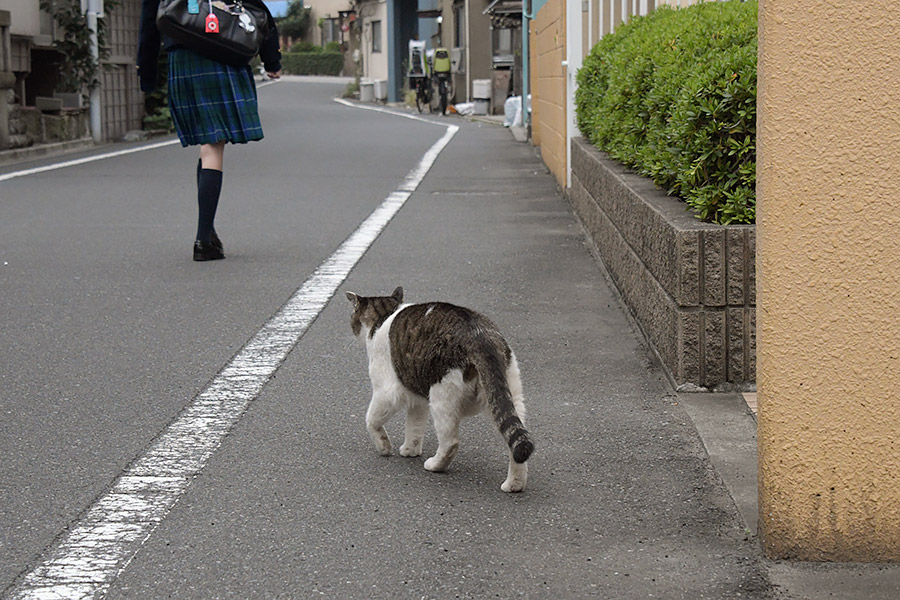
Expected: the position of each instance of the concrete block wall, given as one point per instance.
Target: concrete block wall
(690, 285)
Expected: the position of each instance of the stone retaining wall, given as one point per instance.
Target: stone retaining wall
(690, 285)
(28, 126)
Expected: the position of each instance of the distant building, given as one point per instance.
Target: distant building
(373, 24)
(330, 21)
(483, 37)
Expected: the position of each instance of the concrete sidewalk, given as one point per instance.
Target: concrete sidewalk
(726, 424)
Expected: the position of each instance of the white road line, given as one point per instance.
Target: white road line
(100, 546)
(86, 159)
(389, 111)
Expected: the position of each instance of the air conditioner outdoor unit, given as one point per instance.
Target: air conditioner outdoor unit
(457, 60)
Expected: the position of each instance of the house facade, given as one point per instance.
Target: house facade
(329, 21)
(31, 33)
(34, 63)
(485, 42)
(332, 21)
(466, 31)
(483, 37)
(373, 28)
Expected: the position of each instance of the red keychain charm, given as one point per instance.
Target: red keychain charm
(212, 23)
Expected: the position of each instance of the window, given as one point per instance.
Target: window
(45, 22)
(459, 25)
(376, 36)
(503, 42)
(331, 31)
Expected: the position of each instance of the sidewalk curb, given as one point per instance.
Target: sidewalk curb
(728, 430)
(9, 157)
(727, 427)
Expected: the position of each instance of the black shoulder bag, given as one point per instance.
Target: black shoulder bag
(228, 31)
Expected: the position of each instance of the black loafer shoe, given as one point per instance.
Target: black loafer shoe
(215, 241)
(206, 251)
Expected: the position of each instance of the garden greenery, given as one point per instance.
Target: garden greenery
(673, 95)
(79, 71)
(296, 22)
(313, 63)
(157, 116)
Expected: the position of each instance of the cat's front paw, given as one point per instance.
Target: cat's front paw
(411, 448)
(435, 464)
(513, 485)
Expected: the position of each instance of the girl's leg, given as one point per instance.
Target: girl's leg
(209, 186)
(211, 155)
(213, 237)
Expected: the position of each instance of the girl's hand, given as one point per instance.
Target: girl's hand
(275, 75)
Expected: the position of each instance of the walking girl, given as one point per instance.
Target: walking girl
(212, 103)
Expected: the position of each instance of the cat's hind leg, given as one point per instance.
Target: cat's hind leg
(416, 420)
(516, 476)
(381, 408)
(445, 400)
(517, 473)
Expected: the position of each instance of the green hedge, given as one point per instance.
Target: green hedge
(673, 95)
(312, 63)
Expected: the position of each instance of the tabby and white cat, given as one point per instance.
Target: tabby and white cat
(446, 358)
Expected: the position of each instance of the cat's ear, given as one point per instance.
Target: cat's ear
(353, 298)
(398, 294)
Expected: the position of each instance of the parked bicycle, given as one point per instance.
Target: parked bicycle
(419, 77)
(430, 77)
(441, 66)
(422, 85)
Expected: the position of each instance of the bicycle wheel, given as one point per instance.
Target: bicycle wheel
(435, 95)
(443, 98)
(419, 100)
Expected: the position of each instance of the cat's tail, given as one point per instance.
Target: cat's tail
(492, 366)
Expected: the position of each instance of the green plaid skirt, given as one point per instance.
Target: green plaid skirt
(212, 102)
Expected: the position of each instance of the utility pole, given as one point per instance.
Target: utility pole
(93, 15)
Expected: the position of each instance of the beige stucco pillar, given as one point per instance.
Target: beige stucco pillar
(828, 257)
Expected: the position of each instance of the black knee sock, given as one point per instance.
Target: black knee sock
(200, 168)
(209, 185)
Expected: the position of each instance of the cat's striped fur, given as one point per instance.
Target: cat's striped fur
(446, 359)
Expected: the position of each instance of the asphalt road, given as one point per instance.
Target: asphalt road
(110, 331)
